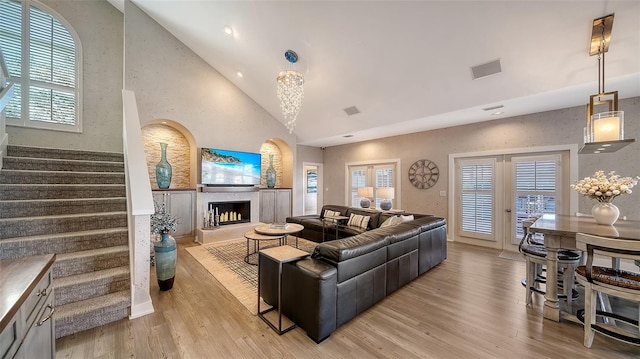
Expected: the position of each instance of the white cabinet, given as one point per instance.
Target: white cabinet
(40, 339)
(182, 205)
(30, 333)
(275, 205)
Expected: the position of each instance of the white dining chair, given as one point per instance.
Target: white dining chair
(609, 281)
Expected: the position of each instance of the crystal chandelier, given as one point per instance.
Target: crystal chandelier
(290, 91)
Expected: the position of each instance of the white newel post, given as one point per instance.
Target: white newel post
(139, 208)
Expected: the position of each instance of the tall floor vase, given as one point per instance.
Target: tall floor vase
(166, 255)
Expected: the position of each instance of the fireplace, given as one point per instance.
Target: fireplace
(231, 212)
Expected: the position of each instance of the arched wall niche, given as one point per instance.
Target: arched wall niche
(282, 162)
(181, 152)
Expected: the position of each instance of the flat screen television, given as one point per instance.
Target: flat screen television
(230, 168)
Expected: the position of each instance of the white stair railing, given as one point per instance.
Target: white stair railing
(139, 207)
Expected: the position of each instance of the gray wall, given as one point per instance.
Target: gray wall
(542, 129)
(172, 82)
(100, 27)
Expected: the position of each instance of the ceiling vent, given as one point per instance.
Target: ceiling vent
(352, 110)
(488, 69)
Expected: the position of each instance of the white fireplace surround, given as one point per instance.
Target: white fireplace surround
(253, 196)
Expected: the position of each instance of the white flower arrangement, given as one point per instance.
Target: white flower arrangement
(605, 189)
(162, 221)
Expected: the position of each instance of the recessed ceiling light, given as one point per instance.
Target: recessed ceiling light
(596, 151)
(601, 149)
(240, 74)
(164, 122)
(347, 136)
(228, 30)
(497, 113)
(606, 145)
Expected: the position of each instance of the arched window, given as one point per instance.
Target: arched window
(44, 58)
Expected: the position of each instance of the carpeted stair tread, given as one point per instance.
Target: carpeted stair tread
(91, 252)
(89, 285)
(51, 164)
(60, 191)
(31, 226)
(57, 216)
(78, 316)
(12, 248)
(67, 234)
(60, 177)
(45, 207)
(74, 263)
(43, 152)
(60, 283)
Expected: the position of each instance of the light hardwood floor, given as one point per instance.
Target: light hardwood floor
(470, 306)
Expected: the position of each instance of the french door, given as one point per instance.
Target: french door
(371, 175)
(496, 193)
(536, 183)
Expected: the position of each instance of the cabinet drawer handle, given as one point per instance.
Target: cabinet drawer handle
(48, 316)
(42, 293)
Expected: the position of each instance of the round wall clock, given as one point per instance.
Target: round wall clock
(423, 174)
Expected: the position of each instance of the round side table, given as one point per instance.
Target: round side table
(256, 238)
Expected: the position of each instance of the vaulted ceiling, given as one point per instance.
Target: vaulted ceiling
(406, 64)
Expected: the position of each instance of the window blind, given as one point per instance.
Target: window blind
(49, 88)
(477, 198)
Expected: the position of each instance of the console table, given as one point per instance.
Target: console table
(560, 232)
(336, 220)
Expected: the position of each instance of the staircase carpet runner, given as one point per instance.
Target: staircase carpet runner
(61, 177)
(72, 203)
(50, 207)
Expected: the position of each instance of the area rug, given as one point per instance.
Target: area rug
(225, 262)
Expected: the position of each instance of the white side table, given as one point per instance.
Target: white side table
(280, 255)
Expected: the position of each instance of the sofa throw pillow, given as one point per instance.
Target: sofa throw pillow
(391, 221)
(407, 218)
(330, 213)
(358, 221)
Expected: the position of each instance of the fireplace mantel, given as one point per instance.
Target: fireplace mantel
(226, 189)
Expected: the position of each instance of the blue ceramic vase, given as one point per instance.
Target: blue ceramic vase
(166, 255)
(163, 169)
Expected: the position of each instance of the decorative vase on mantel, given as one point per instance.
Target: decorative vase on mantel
(605, 213)
(163, 169)
(165, 258)
(271, 174)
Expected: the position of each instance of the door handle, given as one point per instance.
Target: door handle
(508, 210)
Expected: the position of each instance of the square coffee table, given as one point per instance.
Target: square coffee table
(279, 255)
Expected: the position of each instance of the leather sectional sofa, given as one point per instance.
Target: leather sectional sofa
(346, 276)
(314, 226)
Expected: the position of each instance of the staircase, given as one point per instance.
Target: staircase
(72, 203)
